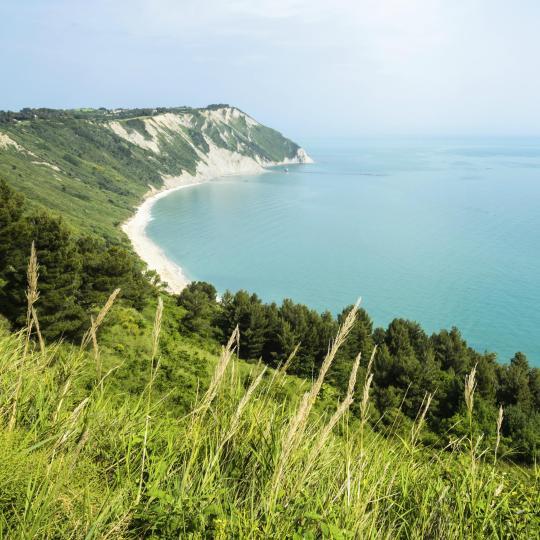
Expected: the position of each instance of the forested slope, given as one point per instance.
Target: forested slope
(143, 433)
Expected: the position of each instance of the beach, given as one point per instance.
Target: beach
(217, 163)
(150, 253)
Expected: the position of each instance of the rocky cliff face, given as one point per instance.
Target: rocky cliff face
(215, 142)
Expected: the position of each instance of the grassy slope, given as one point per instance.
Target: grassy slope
(100, 177)
(122, 459)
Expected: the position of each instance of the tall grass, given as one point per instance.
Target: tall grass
(76, 461)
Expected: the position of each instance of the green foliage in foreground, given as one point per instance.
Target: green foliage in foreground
(132, 436)
(79, 458)
(407, 365)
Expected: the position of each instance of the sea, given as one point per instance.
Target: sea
(442, 231)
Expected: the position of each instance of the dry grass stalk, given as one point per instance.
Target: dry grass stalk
(417, 427)
(470, 386)
(97, 356)
(32, 275)
(365, 398)
(32, 295)
(242, 405)
(336, 344)
(353, 375)
(294, 426)
(427, 404)
(364, 403)
(105, 309)
(219, 372)
(71, 423)
(371, 359)
(113, 369)
(246, 397)
(289, 443)
(298, 423)
(283, 369)
(38, 330)
(499, 428)
(233, 375)
(157, 327)
(342, 408)
(99, 319)
(156, 330)
(63, 394)
(367, 385)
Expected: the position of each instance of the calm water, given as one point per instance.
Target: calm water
(444, 232)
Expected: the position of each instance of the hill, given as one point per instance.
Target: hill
(94, 166)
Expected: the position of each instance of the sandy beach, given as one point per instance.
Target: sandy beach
(218, 163)
(150, 253)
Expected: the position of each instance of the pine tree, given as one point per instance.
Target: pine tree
(59, 278)
(11, 226)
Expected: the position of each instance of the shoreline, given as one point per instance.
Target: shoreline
(135, 228)
(217, 163)
(154, 257)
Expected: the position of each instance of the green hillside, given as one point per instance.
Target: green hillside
(94, 166)
(128, 412)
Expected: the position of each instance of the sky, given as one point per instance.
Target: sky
(306, 67)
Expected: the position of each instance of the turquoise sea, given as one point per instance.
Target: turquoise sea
(442, 231)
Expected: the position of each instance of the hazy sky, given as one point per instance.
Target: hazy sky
(307, 67)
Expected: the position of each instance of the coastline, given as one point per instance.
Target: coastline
(217, 166)
(148, 251)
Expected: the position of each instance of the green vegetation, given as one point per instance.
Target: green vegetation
(408, 365)
(77, 169)
(72, 162)
(250, 453)
(126, 421)
(77, 273)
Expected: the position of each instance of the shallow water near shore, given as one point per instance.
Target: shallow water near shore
(442, 231)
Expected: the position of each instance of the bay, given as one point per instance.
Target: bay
(445, 232)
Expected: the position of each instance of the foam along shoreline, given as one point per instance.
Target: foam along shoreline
(219, 164)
